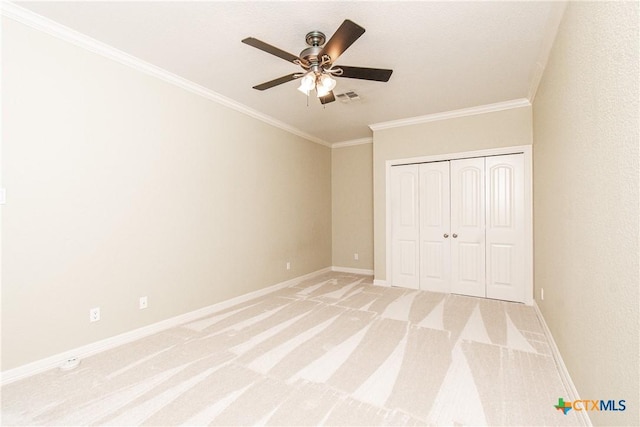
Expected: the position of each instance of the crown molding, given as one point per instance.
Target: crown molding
(352, 142)
(55, 29)
(551, 30)
(471, 111)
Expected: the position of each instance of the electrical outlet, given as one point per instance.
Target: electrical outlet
(94, 314)
(143, 303)
(288, 265)
(71, 363)
(541, 294)
(356, 256)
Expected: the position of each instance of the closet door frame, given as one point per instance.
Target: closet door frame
(526, 151)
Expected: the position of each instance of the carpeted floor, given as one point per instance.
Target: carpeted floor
(333, 350)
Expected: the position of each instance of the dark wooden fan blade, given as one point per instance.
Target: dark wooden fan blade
(270, 49)
(344, 37)
(276, 82)
(376, 74)
(327, 98)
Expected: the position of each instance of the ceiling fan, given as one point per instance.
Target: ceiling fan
(318, 62)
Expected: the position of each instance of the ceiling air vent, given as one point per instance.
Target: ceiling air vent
(348, 97)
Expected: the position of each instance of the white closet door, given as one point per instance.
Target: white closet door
(435, 239)
(405, 230)
(505, 227)
(468, 227)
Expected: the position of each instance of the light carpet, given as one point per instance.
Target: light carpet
(332, 350)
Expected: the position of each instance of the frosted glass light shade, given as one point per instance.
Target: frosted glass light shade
(307, 83)
(325, 85)
(326, 81)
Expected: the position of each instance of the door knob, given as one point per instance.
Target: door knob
(455, 235)
(446, 235)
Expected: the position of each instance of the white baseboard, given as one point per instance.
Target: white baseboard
(57, 360)
(562, 368)
(352, 270)
(379, 282)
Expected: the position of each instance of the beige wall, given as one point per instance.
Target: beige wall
(120, 185)
(352, 196)
(490, 130)
(586, 172)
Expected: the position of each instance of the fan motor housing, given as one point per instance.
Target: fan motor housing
(311, 53)
(315, 39)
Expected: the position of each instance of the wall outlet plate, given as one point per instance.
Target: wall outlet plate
(70, 363)
(143, 303)
(94, 314)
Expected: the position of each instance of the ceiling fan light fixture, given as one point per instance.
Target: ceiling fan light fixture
(325, 85)
(322, 91)
(307, 83)
(317, 62)
(328, 82)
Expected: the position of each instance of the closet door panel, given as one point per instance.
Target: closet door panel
(505, 227)
(468, 227)
(405, 227)
(435, 248)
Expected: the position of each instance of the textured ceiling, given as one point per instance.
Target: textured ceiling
(445, 55)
